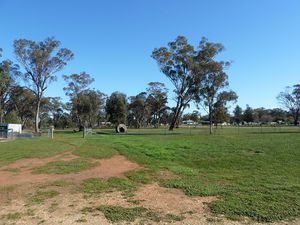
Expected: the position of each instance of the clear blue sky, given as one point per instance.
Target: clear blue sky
(113, 40)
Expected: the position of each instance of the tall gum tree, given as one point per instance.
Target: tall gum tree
(8, 72)
(40, 61)
(194, 72)
(212, 94)
(77, 84)
(178, 62)
(157, 101)
(290, 99)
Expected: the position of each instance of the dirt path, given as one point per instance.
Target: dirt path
(20, 172)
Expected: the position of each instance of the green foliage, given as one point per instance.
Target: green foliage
(116, 108)
(46, 56)
(63, 167)
(290, 99)
(42, 196)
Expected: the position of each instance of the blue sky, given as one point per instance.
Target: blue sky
(113, 40)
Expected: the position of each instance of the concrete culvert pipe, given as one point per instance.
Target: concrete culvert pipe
(121, 128)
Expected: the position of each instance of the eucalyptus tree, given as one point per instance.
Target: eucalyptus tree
(238, 114)
(77, 87)
(157, 100)
(116, 108)
(8, 72)
(195, 74)
(21, 100)
(138, 110)
(290, 99)
(248, 115)
(178, 63)
(212, 94)
(40, 61)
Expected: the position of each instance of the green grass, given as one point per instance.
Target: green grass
(130, 214)
(64, 167)
(42, 196)
(12, 216)
(31, 148)
(120, 184)
(254, 171)
(95, 149)
(118, 213)
(57, 183)
(97, 186)
(94, 186)
(141, 176)
(13, 170)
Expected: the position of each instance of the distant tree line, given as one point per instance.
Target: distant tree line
(197, 78)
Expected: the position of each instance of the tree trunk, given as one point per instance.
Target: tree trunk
(296, 118)
(177, 113)
(210, 121)
(158, 121)
(1, 116)
(1, 112)
(175, 118)
(37, 117)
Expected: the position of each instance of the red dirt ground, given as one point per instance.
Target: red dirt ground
(113, 167)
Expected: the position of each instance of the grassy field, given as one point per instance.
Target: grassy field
(254, 172)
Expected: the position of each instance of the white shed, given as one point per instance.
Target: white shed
(15, 128)
(7, 129)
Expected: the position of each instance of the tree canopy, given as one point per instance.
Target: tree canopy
(40, 61)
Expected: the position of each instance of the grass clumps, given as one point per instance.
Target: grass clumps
(141, 176)
(64, 167)
(118, 213)
(42, 196)
(191, 187)
(96, 185)
(120, 184)
(13, 170)
(12, 216)
(173, 217)
(7, 189)
(130, 214)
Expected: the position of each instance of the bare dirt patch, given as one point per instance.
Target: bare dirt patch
(105, 168)
(67, 208)
(170, 200)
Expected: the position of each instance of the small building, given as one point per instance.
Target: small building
(9, 129)
(189, 122)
